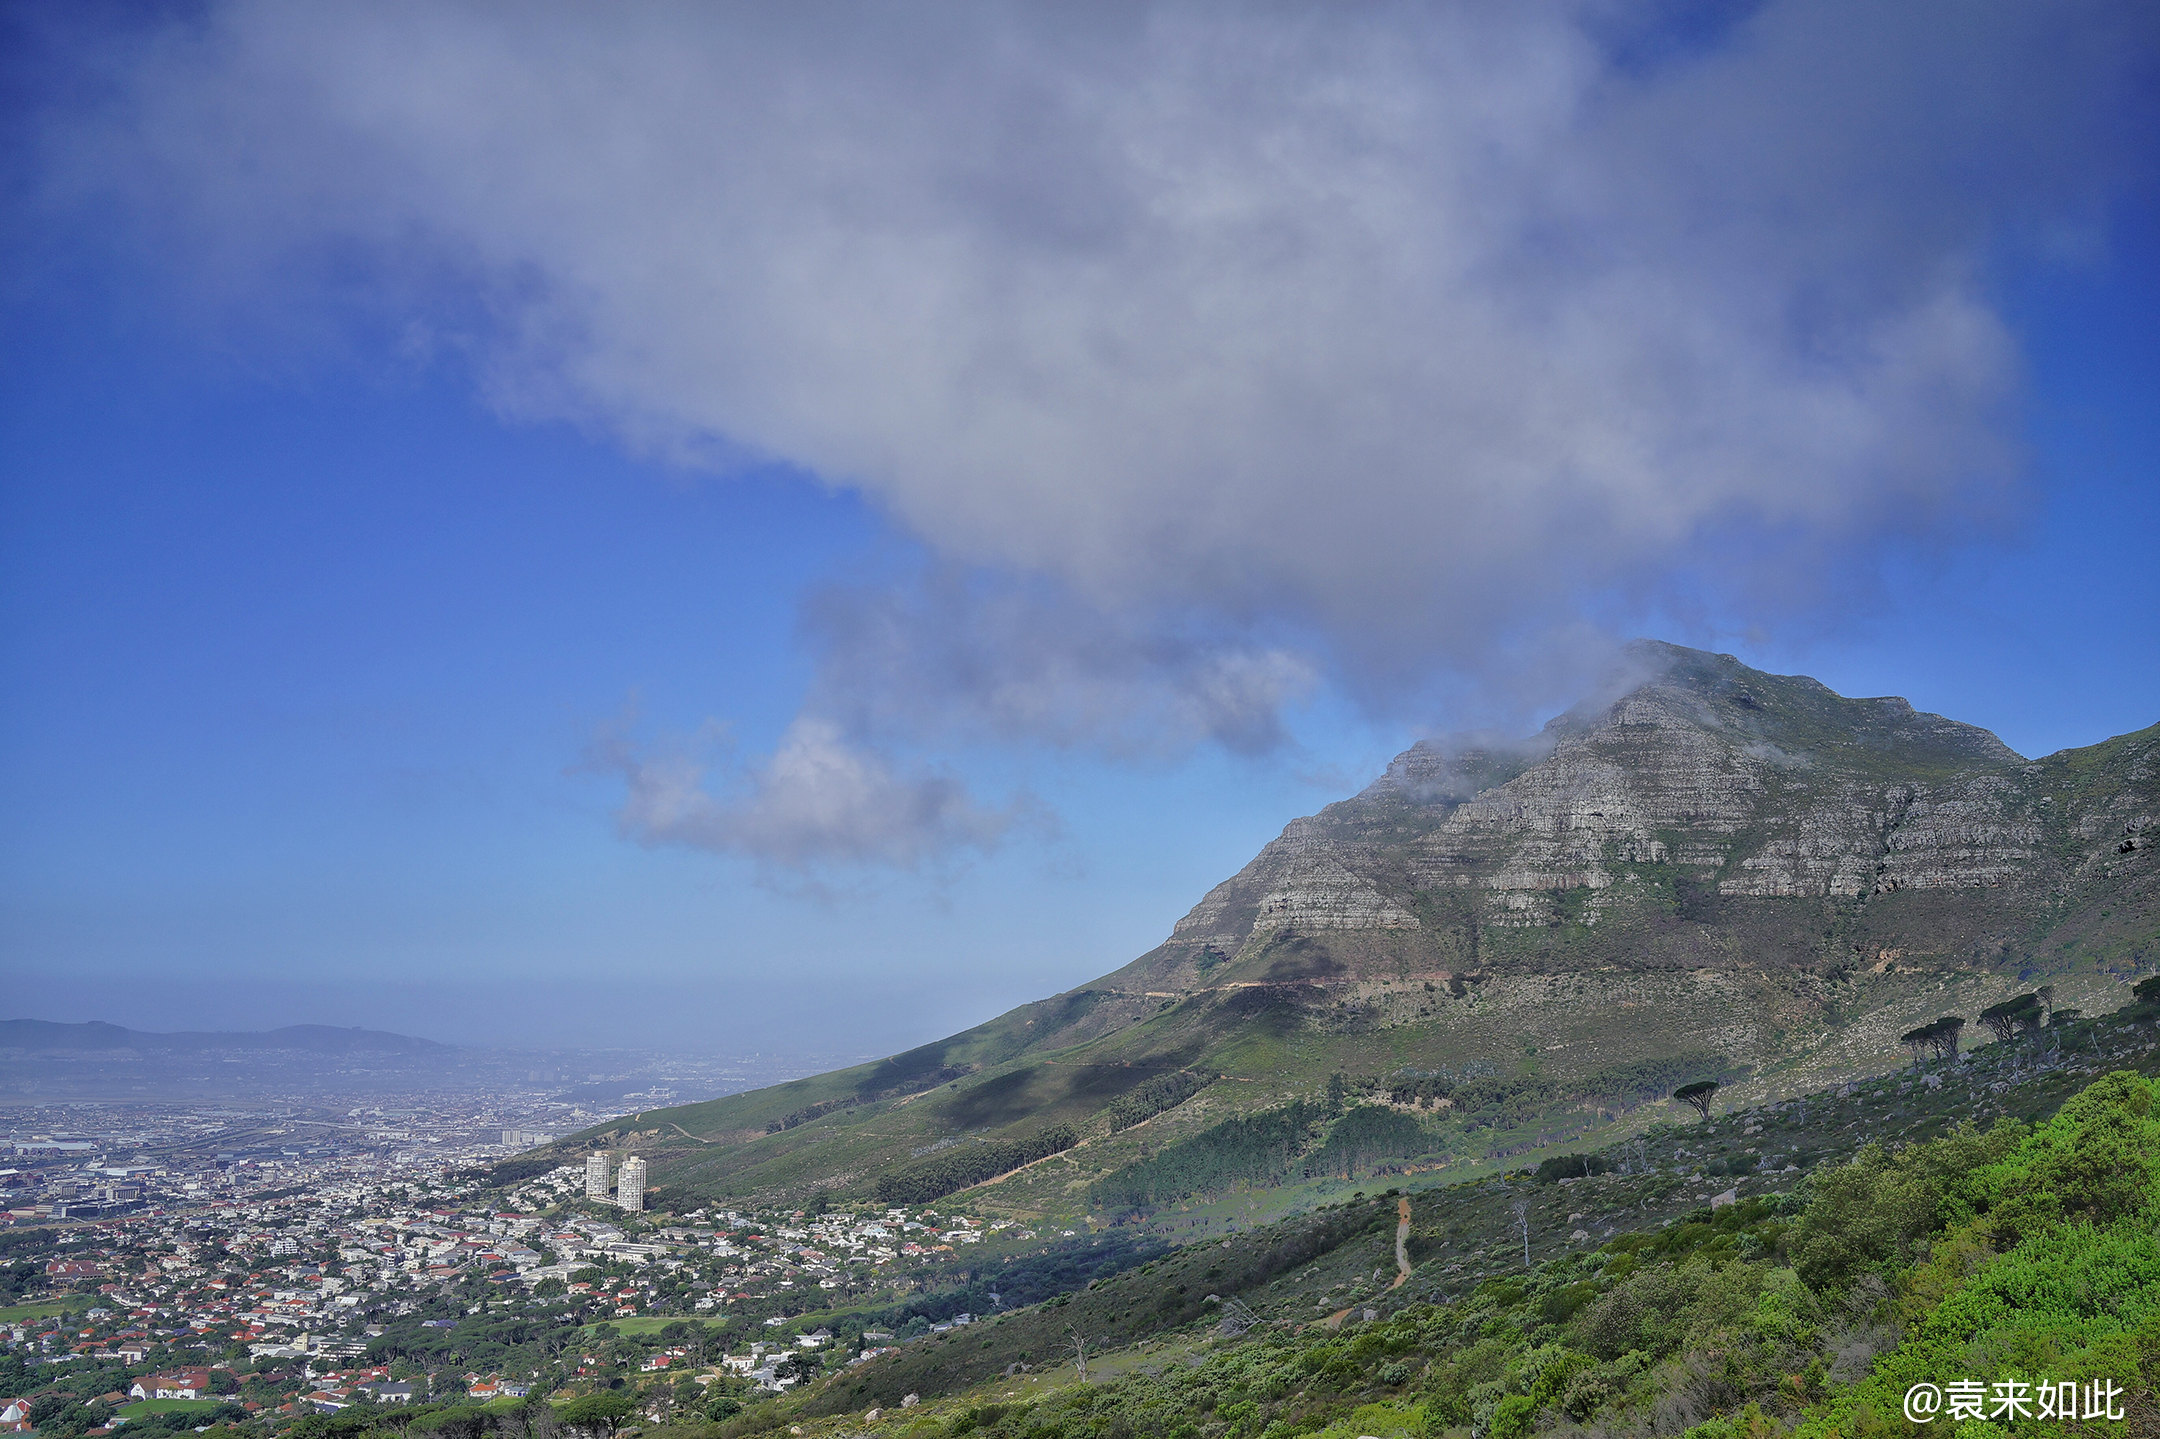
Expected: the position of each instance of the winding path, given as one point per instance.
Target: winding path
(1402, 1259)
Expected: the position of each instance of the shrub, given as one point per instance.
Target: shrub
(1512, 1417)
(1870, 1214)
(1572, 1166)
(2097, 1161)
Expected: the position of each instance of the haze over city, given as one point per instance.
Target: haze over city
(796, 530)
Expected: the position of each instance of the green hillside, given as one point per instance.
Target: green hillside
(1983, 1254)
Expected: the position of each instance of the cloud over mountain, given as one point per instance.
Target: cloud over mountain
(1231, 349)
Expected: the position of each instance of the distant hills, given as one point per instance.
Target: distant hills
(46, 1035)
(1705, 871)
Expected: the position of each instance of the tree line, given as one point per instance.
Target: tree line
(2019, 1014)
(1155, 1096)
(1250, 1149)
(957, 1168)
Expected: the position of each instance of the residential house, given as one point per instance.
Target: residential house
(180, 1384)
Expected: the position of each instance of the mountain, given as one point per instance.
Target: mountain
(46, 1035)
(1705, 871)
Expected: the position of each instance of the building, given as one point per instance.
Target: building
(596, 1177)
(526, 1138)
(630, 1184)
(183, 1384)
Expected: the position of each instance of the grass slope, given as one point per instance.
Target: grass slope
(2016, 1252)
(1305, 1268)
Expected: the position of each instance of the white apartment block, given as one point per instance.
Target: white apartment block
(596, 1175)
(630, 1184)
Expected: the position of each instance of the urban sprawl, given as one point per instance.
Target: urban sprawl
(191, 1269)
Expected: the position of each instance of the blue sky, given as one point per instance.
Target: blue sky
(696, 535)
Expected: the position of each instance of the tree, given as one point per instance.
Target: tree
(46, 1409)
(2146, 991)
(1079, 1345)
(1940, 1038)
(599, 1412)
(2017, 1013)
(1521, 1209)
(1698, 1094)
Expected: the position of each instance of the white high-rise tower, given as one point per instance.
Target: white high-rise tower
(596, 1167)
(630, 1184)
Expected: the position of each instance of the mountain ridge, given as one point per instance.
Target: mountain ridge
(97, 1034)
(1703, 860)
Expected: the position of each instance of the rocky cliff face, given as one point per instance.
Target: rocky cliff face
(1804, 824)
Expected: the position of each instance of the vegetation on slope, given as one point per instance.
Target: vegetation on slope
(2017, 1253)
(955, 1169)
(1157, 1096)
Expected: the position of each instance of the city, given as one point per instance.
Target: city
(187, 1267)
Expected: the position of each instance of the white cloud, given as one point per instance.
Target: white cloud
(950, 654)
(1258, 345)
(819, 799)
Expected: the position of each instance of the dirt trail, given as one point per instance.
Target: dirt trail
(1402, 1260)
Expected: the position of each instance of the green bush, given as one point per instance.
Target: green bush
(1571, 1166)
(1512, 1417)
(2096, 1162)
(1869, 1215)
